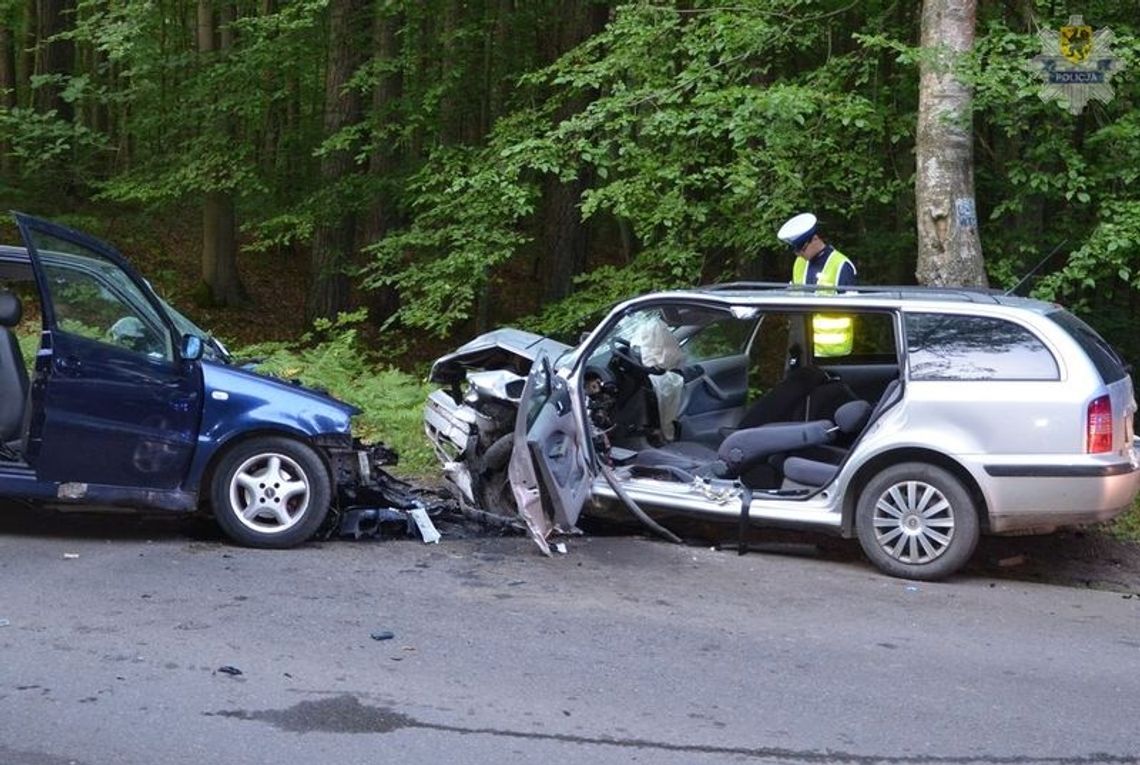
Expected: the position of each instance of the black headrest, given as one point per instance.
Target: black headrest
(852, 416)
(10, 309)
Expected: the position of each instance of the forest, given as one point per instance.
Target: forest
(441, 167)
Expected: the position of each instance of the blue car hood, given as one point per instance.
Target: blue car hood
(234, 394)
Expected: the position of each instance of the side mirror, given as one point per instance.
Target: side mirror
(191, 348)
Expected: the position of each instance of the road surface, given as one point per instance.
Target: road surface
(622, 650)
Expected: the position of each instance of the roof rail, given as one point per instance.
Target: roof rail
(969, 294)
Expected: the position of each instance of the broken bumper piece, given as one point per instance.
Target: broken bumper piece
(372, 503)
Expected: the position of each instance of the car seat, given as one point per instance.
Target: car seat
(13, 373)
(745, 454)
(820, 467)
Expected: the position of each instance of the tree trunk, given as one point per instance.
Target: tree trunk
(26, 56)
(382, 162)
(221, 284)
(495, 58)
(949, 249)
(334, 239)
(7, 94)
(58, 56)
(564, 235)
(385, 95)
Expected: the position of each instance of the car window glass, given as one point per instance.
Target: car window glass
(872, 341)
(772, 351)
(956, 347)
(673, 336)
(93, 298)
(1104, 358)
(725, 335)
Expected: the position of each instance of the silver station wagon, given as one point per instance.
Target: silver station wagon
(913, 419)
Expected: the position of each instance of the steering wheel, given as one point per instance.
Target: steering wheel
(624, 353)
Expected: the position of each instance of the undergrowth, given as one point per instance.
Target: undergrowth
(1127, 526)
(332, 357)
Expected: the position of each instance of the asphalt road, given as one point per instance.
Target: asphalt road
(622, 650)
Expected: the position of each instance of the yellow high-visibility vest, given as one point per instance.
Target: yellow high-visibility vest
(833, 335)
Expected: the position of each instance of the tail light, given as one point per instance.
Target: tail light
(1098, 426)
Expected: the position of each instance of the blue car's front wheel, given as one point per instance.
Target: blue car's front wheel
(270, 492)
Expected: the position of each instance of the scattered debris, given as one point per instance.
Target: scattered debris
(70, 556)
(4, 622)
(383, 635)
(387, 507)
(560, 547)
(1011, 561)
(911, 588)
(228, 670)
(423, 523)
(359, 522)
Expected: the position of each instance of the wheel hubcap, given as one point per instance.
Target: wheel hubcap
(269, 493)
(914, 522)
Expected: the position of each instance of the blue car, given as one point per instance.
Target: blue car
(128, 404)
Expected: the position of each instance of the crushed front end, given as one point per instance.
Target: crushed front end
(367, 496)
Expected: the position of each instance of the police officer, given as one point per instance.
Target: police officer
(817, 262)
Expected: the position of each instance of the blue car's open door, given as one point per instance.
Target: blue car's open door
(111, 401)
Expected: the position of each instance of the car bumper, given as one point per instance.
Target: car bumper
(1040, 497)
(452, 430)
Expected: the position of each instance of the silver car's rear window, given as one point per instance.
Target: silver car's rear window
(959, 347)
(1107, 362)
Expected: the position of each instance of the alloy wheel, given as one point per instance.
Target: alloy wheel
(913, 522)
(269, 493)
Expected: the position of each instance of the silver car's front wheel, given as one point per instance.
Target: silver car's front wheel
(270, 492)
(917, 521)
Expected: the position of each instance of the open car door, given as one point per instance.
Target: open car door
(549, 473)
(112, 402)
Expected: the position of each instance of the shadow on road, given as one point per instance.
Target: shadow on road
(1088, 559)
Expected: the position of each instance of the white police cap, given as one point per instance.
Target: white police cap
(798, 231)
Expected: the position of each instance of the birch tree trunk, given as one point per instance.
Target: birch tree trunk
(949, 249)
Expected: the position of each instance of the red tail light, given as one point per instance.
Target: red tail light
(1098, 426)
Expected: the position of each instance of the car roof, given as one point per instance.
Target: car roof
(869, 296)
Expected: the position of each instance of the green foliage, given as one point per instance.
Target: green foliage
(29, 346)
(332, 357)
(47, 149)
(687, 132)
(1127, 526)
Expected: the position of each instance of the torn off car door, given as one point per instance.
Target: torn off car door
(549, 474)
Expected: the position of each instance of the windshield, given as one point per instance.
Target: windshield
(212, 347)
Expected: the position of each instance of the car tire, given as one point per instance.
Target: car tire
(270, 492)
(495, 493)
(917, 521)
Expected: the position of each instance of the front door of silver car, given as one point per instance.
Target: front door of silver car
(548, 470)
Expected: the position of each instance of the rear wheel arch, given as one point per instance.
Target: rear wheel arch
(880, 462)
